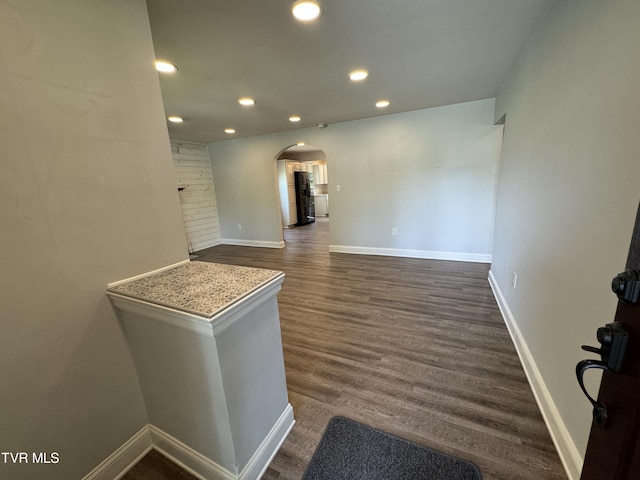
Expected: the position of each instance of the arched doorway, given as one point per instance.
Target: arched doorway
(303, 184)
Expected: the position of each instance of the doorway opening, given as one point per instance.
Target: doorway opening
(303, 186)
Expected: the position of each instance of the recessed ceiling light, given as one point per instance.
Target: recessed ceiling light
(306, 10)
(229, 130)
(300, 144)
(175, 119)
(246, 101)
(165, 67)
(358, 75)
(382, 103)
(294, 118)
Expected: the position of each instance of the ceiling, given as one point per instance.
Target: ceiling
(419, 54)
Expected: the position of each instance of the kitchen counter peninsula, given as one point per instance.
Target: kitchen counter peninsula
(206, 343)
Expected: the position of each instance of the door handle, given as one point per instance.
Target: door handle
(613, 340)
(599, 409)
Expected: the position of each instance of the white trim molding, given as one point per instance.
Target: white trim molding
(252, 243)
(569, 455)
(225, 318)
(149, 436)
(147, 274)
(187, 458)
(124, 458)
(209, 327)
(197, 247)
(261, 459)
(401, 252)
(176, 318)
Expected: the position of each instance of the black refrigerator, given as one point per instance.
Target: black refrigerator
(304, 198)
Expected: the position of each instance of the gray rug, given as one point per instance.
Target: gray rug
(350, 450)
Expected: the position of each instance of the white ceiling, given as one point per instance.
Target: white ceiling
(420, 54)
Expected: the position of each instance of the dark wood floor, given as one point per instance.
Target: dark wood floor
(155, 466)
(413, 347)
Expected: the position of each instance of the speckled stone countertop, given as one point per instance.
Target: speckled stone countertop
(201, 288)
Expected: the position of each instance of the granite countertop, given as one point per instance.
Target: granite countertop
(201, 288)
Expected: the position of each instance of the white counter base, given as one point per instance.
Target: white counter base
(214, 385)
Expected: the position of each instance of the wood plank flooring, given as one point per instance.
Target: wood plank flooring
(413, 347)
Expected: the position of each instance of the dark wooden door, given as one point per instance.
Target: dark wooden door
(613, 451)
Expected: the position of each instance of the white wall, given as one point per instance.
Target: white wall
(568, 194)
(198, 195)
(429, 173)
(87, 197)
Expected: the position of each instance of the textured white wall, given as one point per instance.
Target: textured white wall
(87, 197)
(431, 174)
(568, 189)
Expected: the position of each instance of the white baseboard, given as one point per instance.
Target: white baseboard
(193, 462)
(197, 246)
(125, 457)
(401, 252)
(252, 243)
(569, 455)
(263, 456)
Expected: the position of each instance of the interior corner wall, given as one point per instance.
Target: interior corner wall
(87, 197)
(431, 174)
(567, 196)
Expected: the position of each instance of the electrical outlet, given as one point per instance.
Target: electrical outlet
(337, 188)
(239, 226)
(514, 279)
(394, 231)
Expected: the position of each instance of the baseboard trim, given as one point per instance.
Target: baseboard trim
(125, 457)
(252, 243)
(197, 246)
(569, 456)
(401, 252)
(149, 436)
(263, 456)
(193, 462)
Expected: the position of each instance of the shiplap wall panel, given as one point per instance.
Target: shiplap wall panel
(198, 199)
